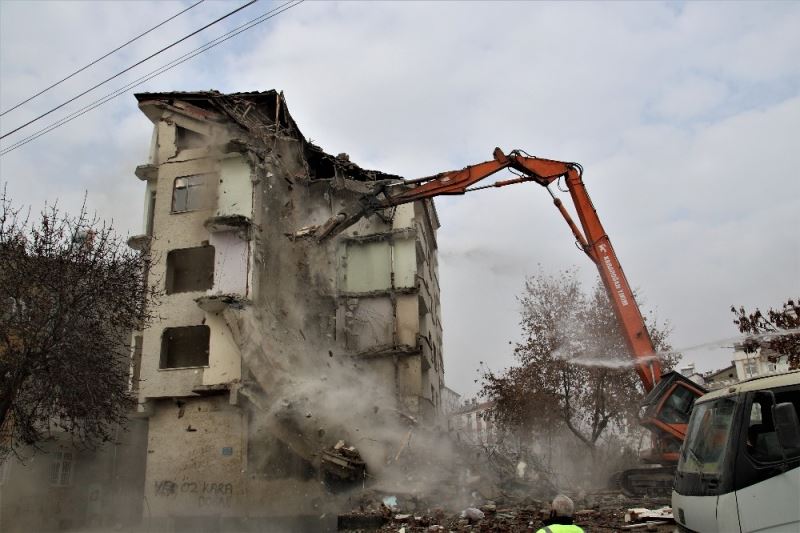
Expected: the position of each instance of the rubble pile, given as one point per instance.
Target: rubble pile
(473, 488)
(602, 511)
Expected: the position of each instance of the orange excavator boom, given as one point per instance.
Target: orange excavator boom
(592, 239)
(669, 398)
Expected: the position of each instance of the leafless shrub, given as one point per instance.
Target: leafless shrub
(776, 331)
(71, 293)
(574, 370)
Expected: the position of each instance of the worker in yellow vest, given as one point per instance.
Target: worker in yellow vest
(562, 511)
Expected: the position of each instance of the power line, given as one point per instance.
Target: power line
(118, 74)
(120, 47)
(168, 66)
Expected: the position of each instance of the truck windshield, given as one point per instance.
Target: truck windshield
(707, 437)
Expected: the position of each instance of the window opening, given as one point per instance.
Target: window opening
(151, 210)
(185, 347)
(190, 193)
(61, 469)
(136, 362)
(678, 406)
(762, 441)
(186, 138)
(707, 437)
(190, 269)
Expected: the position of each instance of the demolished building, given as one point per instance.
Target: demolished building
(271, 347)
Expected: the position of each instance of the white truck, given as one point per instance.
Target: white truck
(739, 467)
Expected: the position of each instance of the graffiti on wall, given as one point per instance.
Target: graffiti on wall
(204, 493)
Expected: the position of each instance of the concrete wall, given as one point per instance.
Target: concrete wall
(229, 189)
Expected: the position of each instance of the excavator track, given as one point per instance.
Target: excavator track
(640, 482)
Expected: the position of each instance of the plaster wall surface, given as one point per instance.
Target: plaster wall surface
(404, 263)
(195, 458)
(404, 217)
(407, 317)
(235, 192)
(224, 364)
(231, 261)
(369, 266)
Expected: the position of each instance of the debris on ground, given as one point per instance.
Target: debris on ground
(472, 514)
(640, 518)
(601, 511)
(641, 514)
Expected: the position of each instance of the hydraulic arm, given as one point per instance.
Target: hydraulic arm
(669, 399)
(592, 239)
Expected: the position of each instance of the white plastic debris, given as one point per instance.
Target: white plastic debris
(521, 466)
(390, 502)
(640, 514)
(472, 514)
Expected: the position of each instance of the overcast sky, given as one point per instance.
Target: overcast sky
(685, 116)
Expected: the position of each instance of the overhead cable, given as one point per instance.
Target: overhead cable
(118, 74)
(172, 64)
(120, 47)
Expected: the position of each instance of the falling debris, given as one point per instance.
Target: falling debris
(343, 462)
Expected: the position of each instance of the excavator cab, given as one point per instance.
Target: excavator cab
(666, 410)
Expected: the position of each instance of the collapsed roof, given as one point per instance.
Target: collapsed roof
(261, 114)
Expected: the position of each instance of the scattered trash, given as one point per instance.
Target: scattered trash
(489, 507)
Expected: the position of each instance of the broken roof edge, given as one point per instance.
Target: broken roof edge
(251, 110)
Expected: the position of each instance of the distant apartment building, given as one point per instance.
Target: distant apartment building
(744, 366)
(719, 378)
(250, 303)
(451, 401)
(472, 423)
(761, 362)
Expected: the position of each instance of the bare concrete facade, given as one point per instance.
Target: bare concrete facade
(271, 346)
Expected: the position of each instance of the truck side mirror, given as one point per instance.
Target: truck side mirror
(787, 426)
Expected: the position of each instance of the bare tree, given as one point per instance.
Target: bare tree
(71, 294)
(778, 330)
(574, 370)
